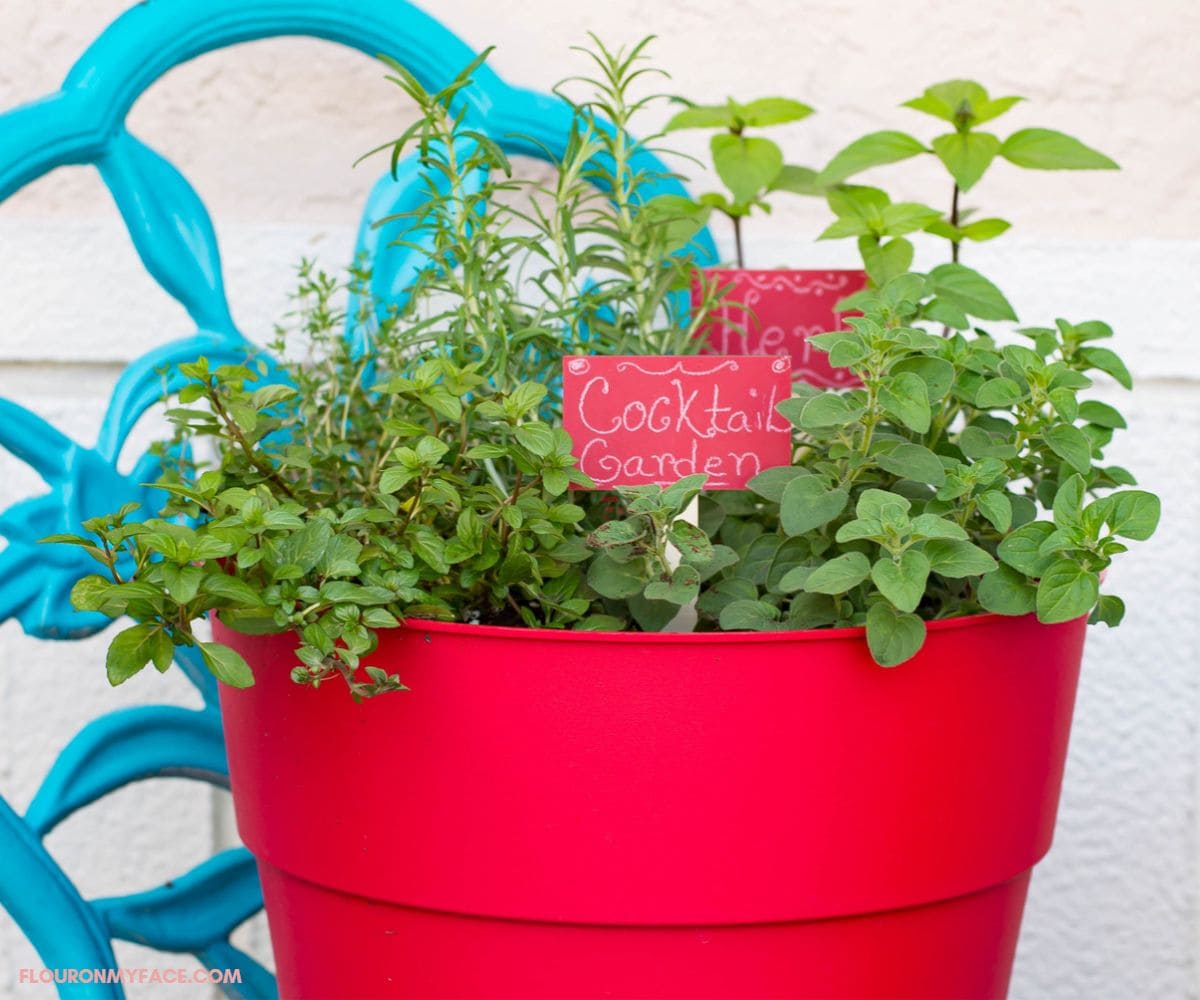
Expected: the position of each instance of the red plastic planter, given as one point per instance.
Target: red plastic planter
(556, 814)
(775, 312)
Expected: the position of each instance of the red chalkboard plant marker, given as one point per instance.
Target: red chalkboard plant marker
(468, 757)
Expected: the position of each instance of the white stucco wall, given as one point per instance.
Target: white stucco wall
(267, 134)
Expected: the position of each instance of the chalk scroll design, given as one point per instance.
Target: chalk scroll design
(172, 233)
(812, 283)
(680, 367)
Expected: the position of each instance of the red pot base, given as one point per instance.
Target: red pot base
(433, 954)
(573, 814)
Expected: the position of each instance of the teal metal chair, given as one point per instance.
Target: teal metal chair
(84, 123)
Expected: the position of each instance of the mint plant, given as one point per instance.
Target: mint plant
(967, 152)
(752, 168)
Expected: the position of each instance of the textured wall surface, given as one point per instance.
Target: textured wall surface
(268, 133)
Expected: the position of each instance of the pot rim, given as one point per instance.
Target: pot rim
(733, 268)
(512, 632)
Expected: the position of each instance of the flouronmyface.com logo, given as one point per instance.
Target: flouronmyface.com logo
(137, 976)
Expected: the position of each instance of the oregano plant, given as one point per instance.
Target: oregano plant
(963, 475)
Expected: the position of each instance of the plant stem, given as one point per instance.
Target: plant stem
(737, 241)
(260, 463)
(954, 243)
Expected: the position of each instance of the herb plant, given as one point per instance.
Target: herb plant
(420, 469)
(965, 474)
(967, 152)
(415, 469)
(751, 167)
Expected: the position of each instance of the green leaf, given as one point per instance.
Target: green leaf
(232, 589)
(749, 616)
(772, 111)
(907, 217)
(227, 665)
(90, 593)
(798, 180)
(555, 481)
(379, 618)
(1101, 414)
(1134, 514)
(885, 261)
(951, 558)
(769, 484)
(614, 533)
(537, 437)
(984, 229)
(756, 561)
(902, 582)
(830, 409)
(872, 150)
(997, 508)
(932, 526)
(525, 398)
(1005, 591)
(1108, 362)
(682, 588)
(1045, 149)
(913, 461)
(703, 116)
(129, 651)
(838, 575)
(722, 558)
(970, 291)
(893, 636)
(985, 111)
(305, 547)
(808, 611)
(614, 580)
(162, 651)
(1071, 445)
(904, 397)
(953, 101)
(1022, 549)
(870, 503)
(936, 373)
(1068, 501)
(794, 579)
(998, 393)
(1066, 591)
(807, 504)
(967, 155)
(691, 541)
(746, 166)
(600, 623)
(430, 548)
(1110, 611)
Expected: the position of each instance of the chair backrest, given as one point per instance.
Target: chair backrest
(84, 123)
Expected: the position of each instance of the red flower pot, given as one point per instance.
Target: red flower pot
(775, 312)
(572, 814)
